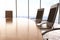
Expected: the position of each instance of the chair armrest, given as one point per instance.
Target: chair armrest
(41, 23)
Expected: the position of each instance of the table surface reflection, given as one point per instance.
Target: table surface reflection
(19, 29)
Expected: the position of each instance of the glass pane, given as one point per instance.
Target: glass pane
(8, 5)
(22, 8)
(34, 5)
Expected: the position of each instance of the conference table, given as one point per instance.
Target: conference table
(19, 29)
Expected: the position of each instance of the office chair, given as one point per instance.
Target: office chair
(8, 16)
(39, 15)
(51, 18)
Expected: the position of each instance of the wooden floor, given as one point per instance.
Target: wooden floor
(19, 29)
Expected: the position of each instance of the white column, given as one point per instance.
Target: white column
(59, 14)
(40, 3)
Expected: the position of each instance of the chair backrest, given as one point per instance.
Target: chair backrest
(8, 16)
(52, 15)
(39, 15)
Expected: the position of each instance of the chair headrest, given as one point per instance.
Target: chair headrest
(41, 9)
(55, 5)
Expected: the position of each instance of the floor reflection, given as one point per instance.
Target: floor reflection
(9, 20)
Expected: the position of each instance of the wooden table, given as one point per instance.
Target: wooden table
(19, 29)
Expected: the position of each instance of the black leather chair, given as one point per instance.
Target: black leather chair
(51, 17)
(39, 15)
(8, 16)
(50, 21)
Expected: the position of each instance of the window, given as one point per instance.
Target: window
(34, 5)
(7, 5)
(22, 8)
